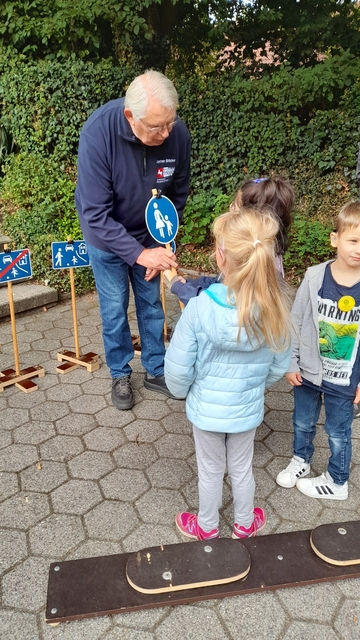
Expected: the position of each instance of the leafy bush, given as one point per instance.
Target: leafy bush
(38, 199)
(309, 244)
(303, 123)
(201, 210)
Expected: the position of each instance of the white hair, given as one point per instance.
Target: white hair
(150, 85)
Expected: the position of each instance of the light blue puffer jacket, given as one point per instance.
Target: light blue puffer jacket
(222, 379)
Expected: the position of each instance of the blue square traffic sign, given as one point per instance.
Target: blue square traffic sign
(15, 265)
(72, 254)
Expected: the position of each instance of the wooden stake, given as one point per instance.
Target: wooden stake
(74, 314)
(19, 377)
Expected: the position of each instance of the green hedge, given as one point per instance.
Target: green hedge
(304, 123)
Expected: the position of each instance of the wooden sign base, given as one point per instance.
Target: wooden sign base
(89, 360)
(94, 587)
(136, 345)
(21, 380)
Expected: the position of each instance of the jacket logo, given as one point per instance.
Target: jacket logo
(164, 172)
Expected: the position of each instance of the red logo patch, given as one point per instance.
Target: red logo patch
(160, 172)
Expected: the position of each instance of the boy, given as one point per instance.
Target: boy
(326, 361)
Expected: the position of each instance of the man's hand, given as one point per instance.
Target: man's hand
(157, 259)
(294, 379)
(357, 397)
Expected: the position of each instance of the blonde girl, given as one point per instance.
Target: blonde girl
(231, 342)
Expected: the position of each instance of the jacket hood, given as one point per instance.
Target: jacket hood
(219, 321)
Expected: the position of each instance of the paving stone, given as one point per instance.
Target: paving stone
(17, 457)
(153, 409)
(91, 465)
(62, 392)
(262, 455)
(193, 621)
(90, 629)
(43, 478)
(8, 485)
(61, 448)
(172, 445)
(17, 625)
(159, 506)
(143, 431)
(56, 535)
(13, 548)
(25, 586)
(280, 443)
(145, 620)
(112, 417)
(23, 510)
(124, 484)
(76, 425)
(279, 421)
(347, 622)
(94, 549)
(111, 520)
(315, 603)
(11, 418)
(5, 439)
(171, 473)
(243, 612)
(135, 456)
(128, 634)
(122, 492)
(76, 496)
(48, 411)
(348, 587)
(34, 432)
(292, 504)
(90, 404)
(264, 483)
(154, 535)
(278, 400)
(96, 386)
(177, 422)
(104, 439)
(309, 630)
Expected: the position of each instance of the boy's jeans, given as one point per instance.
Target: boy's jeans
(112, 283)
(339, 416)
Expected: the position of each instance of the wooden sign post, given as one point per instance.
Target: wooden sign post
(162, 221)
(16, 265)
(70, 255)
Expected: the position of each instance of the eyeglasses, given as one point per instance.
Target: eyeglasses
(161, 127)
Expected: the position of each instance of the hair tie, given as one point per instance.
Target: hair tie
(256, 242)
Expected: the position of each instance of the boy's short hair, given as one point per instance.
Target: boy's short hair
(349, 216)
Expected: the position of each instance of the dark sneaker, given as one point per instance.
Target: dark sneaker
(157, 384)
(122, 394)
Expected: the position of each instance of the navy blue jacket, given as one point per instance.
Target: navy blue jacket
(116, 175)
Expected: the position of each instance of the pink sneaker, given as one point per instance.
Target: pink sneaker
(188, 524)
(257, 524)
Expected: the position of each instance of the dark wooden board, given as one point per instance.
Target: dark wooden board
(176, 567)
(98, 586)
(338, 543)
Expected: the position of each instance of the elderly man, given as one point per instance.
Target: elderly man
(127, 148)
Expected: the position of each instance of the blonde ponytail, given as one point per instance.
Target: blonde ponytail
(254, 285)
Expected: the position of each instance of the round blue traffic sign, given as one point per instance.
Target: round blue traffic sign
(161, 219)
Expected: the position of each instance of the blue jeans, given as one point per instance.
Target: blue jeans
(338, 419)
(112, 283)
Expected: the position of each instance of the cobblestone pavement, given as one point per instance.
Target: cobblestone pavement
(79, 478)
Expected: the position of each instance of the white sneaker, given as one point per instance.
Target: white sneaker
(295, 470)
(323, 487)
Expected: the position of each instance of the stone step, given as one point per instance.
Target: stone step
(26, 296)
